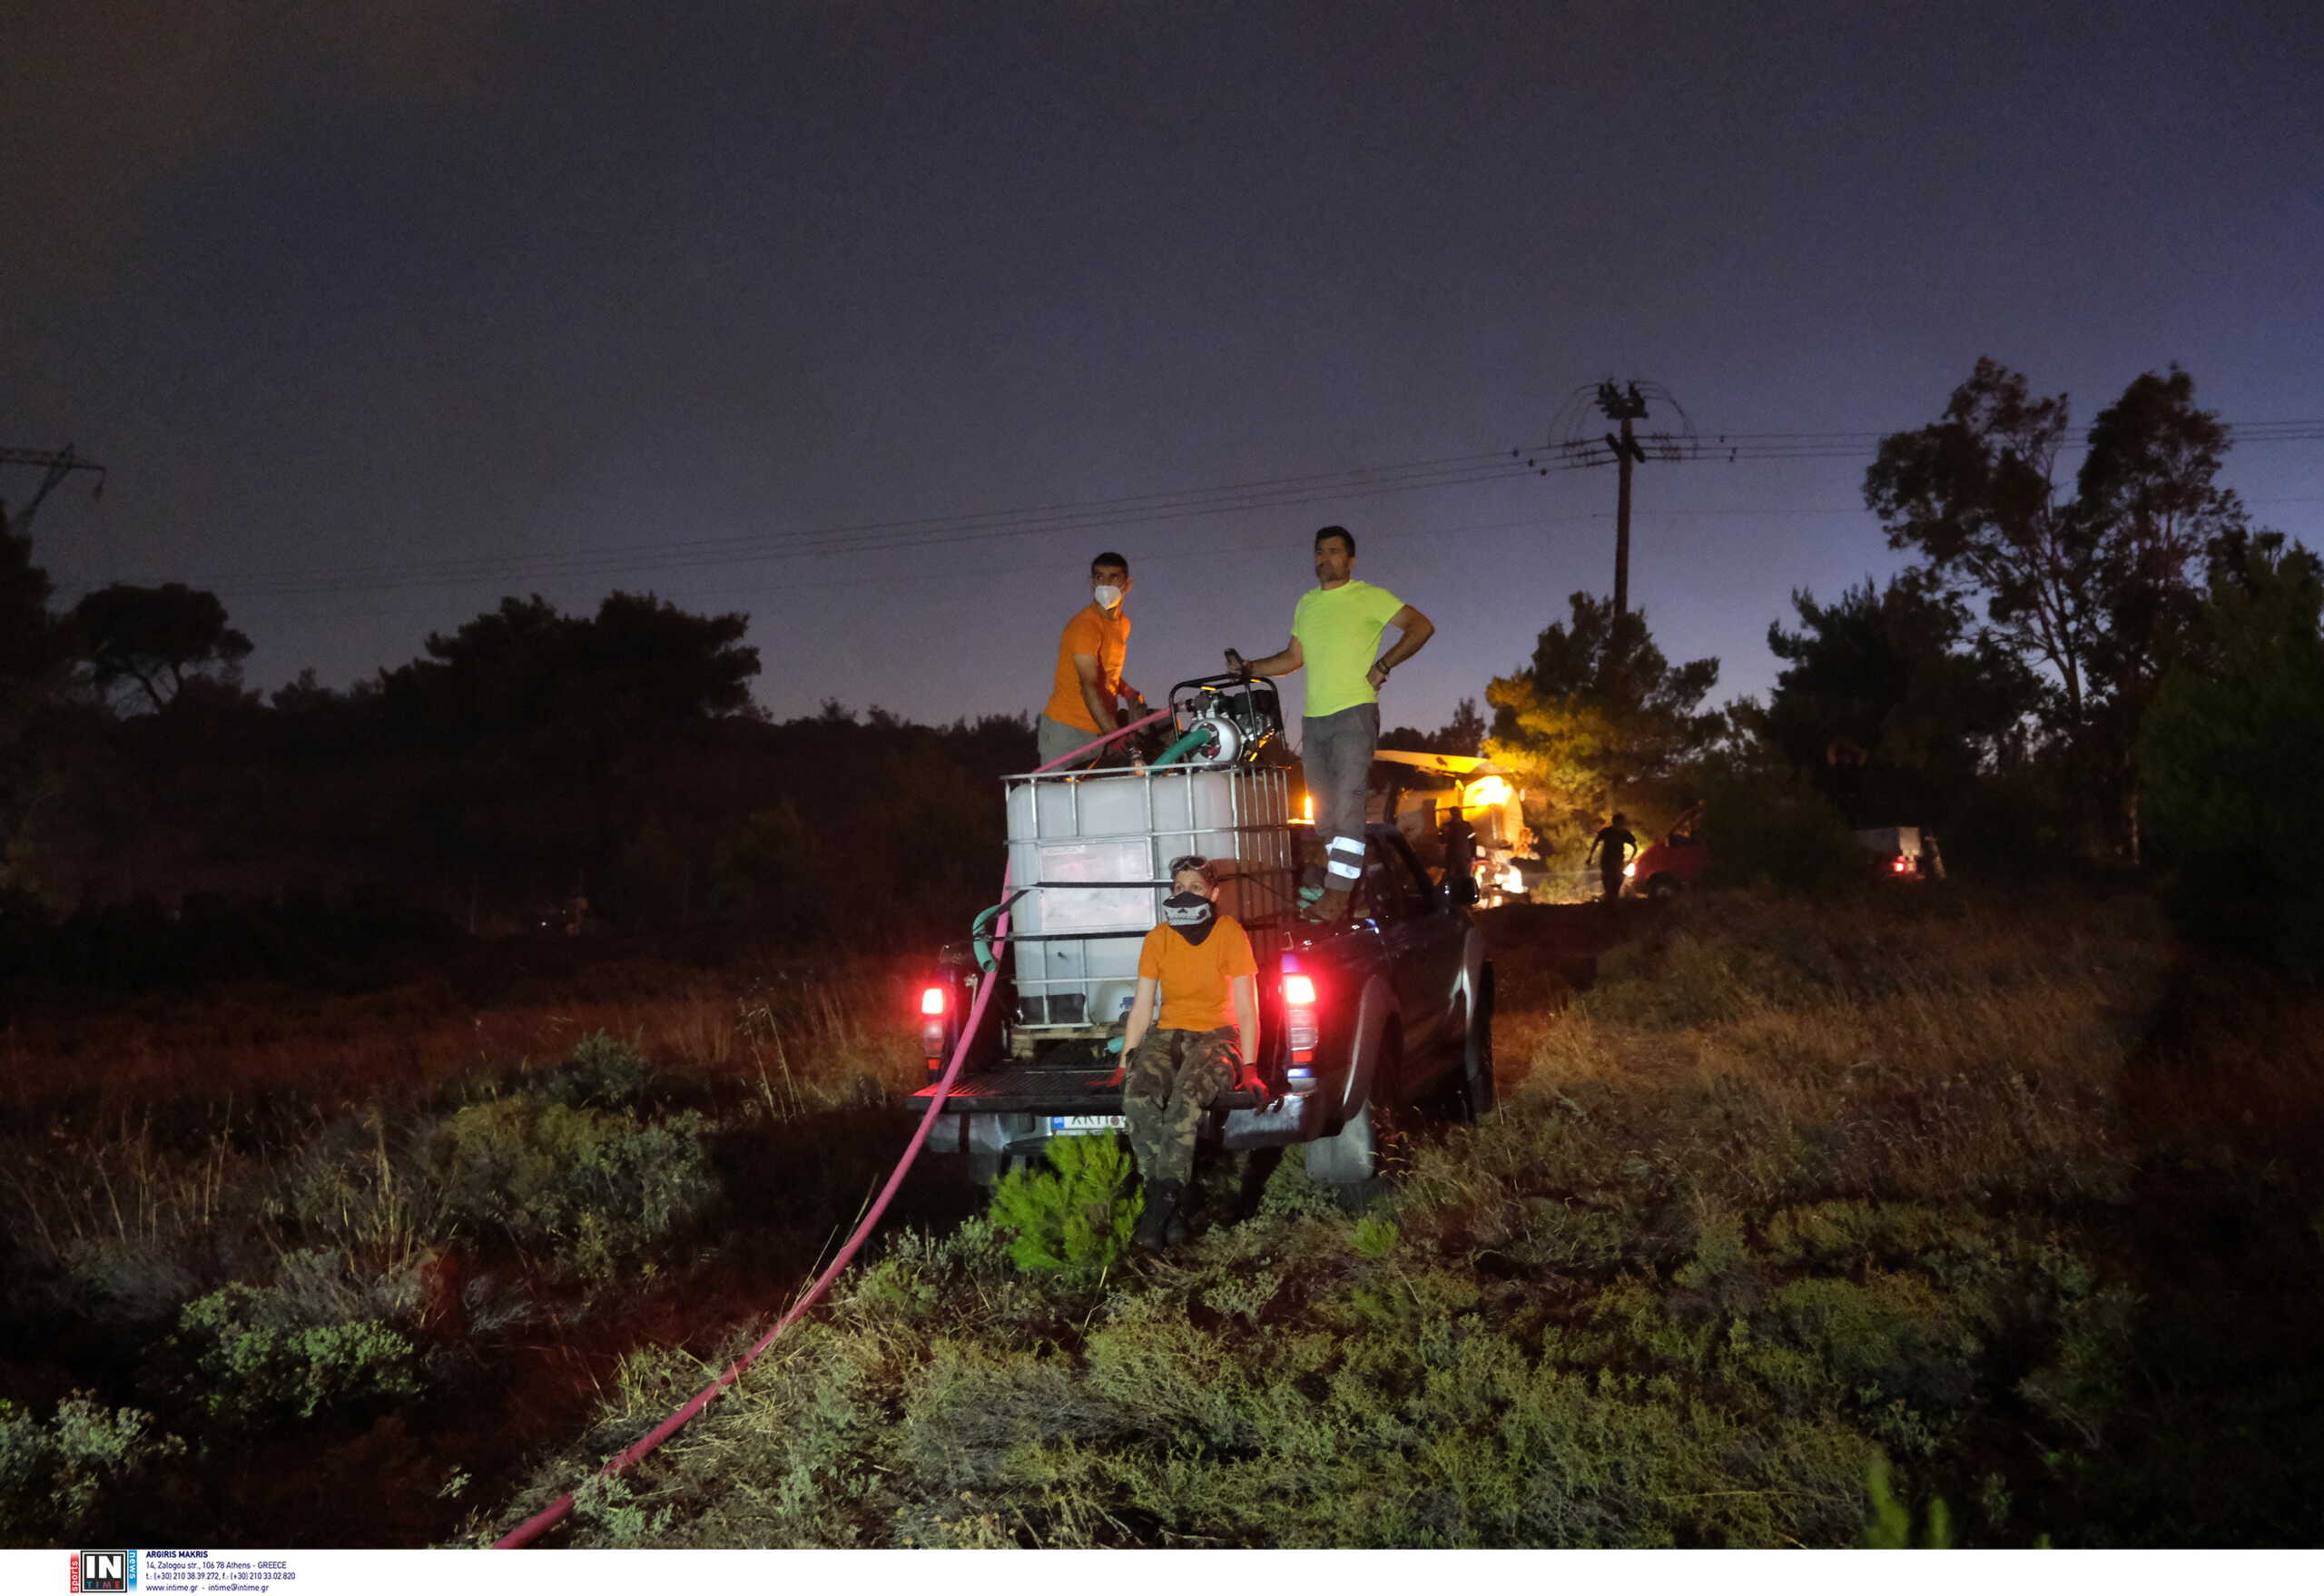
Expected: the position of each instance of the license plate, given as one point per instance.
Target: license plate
(1084, 1124)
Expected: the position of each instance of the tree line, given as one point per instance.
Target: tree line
(2112, 666)
(531, 769)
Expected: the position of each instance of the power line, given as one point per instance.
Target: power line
(874, 536)
(1237, 546)
(1735, 448)
(1088, 514)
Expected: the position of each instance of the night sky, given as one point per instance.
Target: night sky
(377, 318)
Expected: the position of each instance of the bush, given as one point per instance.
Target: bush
(1762, 826)
(1890, 1528)
(260, 1352)
(602, 1072)
(2231, 755)
(67, 1478)
(1076, 1222)
(599, 1187)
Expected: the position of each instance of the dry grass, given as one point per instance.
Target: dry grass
(800, 1028)
(1933, 1050)
(1788, 1188)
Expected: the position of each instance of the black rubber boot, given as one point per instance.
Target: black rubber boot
(1161, 1209)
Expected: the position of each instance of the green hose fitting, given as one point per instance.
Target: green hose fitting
(983, 944)
(1182, 746)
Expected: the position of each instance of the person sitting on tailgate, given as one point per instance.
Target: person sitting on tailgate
(1202, 963)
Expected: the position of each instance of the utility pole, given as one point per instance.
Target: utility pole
(57, 465)
(1625, 405)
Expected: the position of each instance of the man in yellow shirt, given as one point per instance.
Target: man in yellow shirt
(1088, 681)
(1334, 633)
(1202, 963)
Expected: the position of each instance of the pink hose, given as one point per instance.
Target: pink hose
(533, 1528)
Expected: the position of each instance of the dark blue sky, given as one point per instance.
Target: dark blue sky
(427, 302)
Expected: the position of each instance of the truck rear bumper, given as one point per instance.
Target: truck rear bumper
(1030, 1091)
(1010, 1110)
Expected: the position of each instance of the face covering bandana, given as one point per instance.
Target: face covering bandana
(1106, 596)
(1189, 914)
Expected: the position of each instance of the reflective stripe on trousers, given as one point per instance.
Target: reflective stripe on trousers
(1335, 751)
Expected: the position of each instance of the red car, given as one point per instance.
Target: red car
(1672, 865)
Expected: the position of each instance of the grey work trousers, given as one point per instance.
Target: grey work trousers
(1335, 752)
(1055, 740)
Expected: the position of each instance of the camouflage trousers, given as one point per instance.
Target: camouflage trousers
(1169, 1081)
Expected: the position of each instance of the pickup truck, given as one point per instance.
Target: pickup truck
(1358, 1021)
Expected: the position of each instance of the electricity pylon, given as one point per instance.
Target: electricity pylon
(57, 465)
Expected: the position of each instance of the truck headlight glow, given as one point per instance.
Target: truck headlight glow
(1490, 793)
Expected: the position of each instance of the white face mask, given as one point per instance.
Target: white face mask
(1107, 595)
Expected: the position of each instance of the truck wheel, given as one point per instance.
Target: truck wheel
(1476, 1052)
(1661, 888)
(1350, 1159)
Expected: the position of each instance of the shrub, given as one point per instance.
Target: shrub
(601, 1072)
(1076, 1222)
(599, 1187)
(1890, 1528)
(1761, 826)
(257, 1353)
(2230, 757)
(66, 1478)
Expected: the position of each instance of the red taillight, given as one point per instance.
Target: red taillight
(1299, 1016)
(1900, 866)
(935, 1032)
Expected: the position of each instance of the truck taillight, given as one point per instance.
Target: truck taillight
(935, 1033)
(1900, 864)
(1299, 1016)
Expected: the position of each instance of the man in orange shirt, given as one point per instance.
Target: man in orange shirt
(1209, 979)
(1089, 655)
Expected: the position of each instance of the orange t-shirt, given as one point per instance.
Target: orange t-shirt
(1105, 637)
(1197, 993)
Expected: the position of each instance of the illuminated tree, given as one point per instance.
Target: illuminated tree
(1598, 719)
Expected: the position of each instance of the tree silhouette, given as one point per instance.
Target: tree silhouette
(1463, 734)
(1885, 675)
(2093, 584)
(157, 637)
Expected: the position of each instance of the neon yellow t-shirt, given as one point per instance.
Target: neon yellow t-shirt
(1339, 630)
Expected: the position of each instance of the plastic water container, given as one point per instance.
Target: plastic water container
(1092, 848)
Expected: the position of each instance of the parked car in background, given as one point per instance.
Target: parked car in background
(1903, 852)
